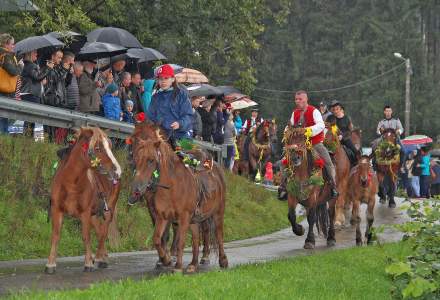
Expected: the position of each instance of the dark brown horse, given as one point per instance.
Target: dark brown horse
(387, 166)
(314, 197)
(180, 195)
(342, 165)
(85, 186)
(259, 151)
(362, 188)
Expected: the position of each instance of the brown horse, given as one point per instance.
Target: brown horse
(342, 165)
(362, 188)
(181, 196)
(85, 185)
(356, 138)
(312, 196)
(387, 166)
(260, 149)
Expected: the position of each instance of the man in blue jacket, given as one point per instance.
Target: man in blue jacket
(170, 107)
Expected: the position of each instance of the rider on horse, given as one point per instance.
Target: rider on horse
(387, 123)
(249, 127)
(345, 126)
(307, 116)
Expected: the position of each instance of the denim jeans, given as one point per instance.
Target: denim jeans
(4, 125)
(415, 185)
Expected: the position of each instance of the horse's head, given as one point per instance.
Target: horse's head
(97, 154)
(272, 126)
(389, 135)
(364, 171)
(295, 145)
(356, 138)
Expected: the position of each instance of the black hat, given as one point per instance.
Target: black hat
(255, 109)
(118, 58)
(322, 103)
(336, 103)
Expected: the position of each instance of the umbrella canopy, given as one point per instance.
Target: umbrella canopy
(17, 5)
(191, 76)
(74, 41)
(145, 54)
(416, 140)
(60, 35)
(243, 103)
(204, 90)
(235, 97)
(97, 50)
(227, 90)
(36, 42)
(113, 35)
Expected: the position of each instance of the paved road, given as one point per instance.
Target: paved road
(15, 275)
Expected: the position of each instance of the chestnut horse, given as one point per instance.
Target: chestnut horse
(362, 188)
(85, 185)
(314, 198)
(388, 168)
(180, 195)
(260, 149)
(342, 165)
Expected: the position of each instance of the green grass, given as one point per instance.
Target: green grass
(25, 176)
(356, 273)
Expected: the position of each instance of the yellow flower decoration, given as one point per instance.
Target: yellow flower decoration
(308, 135)
(334, 129)
(95, 162)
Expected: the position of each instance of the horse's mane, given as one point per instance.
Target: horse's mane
(391, 130)
(97, 134)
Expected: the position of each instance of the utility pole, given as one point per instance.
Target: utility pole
(407, 91)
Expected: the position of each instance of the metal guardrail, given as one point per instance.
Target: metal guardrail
(65, 118)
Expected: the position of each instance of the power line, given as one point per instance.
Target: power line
(338, 88)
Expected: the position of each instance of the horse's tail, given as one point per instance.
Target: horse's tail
(213, 242)
(322, 218)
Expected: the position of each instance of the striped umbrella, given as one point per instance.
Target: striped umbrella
(417, 139)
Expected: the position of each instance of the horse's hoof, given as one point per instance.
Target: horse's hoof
(223, 263)
(352, 222)
(177, 271)
(102, 264)
(173, 258)
(191, 269)
(298, 230)
(88, 269)
(392, 205)
(309, 245)
(204, 261)
(382, 200)
(331, 243)
(358, 242)
(50, 270)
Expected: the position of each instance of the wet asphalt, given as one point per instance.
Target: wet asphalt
(29, 274)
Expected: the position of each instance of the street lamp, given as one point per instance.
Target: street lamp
(407, 90)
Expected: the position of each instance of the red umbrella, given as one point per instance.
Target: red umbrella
(416, 140)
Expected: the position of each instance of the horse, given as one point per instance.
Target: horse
(356, 138)
(146, 131)
(181, 196)
(86, 185)
(362, 188)
(342, 165)
(303, 188)
(260, 149)
(387, 159)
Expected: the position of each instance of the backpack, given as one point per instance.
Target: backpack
(8, 83)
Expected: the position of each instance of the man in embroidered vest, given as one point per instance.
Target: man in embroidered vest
(249, 126)
(307, 116)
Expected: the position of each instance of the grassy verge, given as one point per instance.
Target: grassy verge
(25, 175)
(356, 273)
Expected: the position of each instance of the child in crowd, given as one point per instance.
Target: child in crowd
(128, 115)
(112, 103)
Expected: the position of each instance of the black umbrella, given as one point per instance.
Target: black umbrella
(114, 35)
(204, 90)
(95, 50)
(145, 54)
(227, 90)
(36, 42)
(74, 41)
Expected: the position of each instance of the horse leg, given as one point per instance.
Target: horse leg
(370, 219)
(381, 193)
(182, 229)
(57, 222)
(85, 230)
(164, 257)
(356, 219)
(195, 233)
(101, 230)
(297, 229)
(311, 218)
(331, 238)
(391, 191)
(340, 217)
(205, 233)
(175, 241)
(218, 223)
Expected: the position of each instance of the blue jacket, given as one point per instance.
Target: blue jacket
(238, 122)
(425, 165)
(128, 117)
(112, 107)
(146, 96)
(164, 110)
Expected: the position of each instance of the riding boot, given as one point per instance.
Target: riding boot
(247, 141)
(333, 192)
(282, 188)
